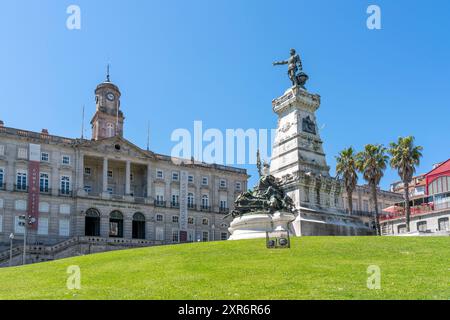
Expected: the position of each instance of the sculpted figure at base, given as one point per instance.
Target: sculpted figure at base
(266, 196)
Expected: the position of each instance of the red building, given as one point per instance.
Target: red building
(438, 179)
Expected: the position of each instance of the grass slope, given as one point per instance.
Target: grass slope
(315, 268)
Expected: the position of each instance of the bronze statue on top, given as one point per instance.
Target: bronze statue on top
(267, 196)
(294, 65)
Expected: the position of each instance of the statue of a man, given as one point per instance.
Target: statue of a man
(294, 64)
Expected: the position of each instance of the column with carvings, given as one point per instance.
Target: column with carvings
(80, 174)
(127, 178)
(149, 182)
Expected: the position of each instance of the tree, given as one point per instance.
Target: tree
(371, 163)
(405, 156)
(346, 170)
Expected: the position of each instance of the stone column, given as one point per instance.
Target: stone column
(105, 175)
(127, 178)
(149, 181)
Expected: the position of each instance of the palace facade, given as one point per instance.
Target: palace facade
(107, 190)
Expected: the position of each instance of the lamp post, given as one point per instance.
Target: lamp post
(11, 238)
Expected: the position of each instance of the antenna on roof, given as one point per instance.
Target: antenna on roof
(107, 73)
(148, 136)
(82, 123)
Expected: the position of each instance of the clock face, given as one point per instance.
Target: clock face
(110, 96)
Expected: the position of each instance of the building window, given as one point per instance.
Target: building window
(87, 171)
(131, 177)
(443, 224)
(110, 130)
(223, 236)
(190, 200)
(159, 234)
(205, 236)
(190, 179)
(159, 217)
(205, 221)
(190, 220)
(43, 183)
(88, 189)
(110, 174)
(223, 204)
(422, 226)
(205, 202)
(65, 185)
(18, 229)
(401, 229)
(43, 226)
(45, 157)
(175, 200)
(20, 205)
(175, 219)
(175, 236)
(159, 200)
(21, 181)
(2, 177)
(175, 176)
(366, 205)
(66, 160)
(22, 153)
(110, 190)
(223, 183)
(159, 174)
(64, 227)
(205, 181)
(238, 186)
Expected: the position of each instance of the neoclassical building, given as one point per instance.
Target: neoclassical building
(107, 190)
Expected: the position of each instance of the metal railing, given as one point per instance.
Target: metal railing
(160, 203)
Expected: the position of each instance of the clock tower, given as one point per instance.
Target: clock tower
(108, 118)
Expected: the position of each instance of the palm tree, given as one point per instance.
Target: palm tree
(346, 170)
(405, 157)
(371, 163)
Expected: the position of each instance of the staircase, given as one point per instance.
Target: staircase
(71, 247)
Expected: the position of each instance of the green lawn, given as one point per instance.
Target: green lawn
(314, 268)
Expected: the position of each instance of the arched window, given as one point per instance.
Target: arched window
(190, 200)
(92, 223)
(138, 226)
(116, 224)
(110, 130)
(205, 201)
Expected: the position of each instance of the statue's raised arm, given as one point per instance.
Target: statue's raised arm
(279, 63)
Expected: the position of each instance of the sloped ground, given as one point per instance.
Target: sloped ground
(314, 268)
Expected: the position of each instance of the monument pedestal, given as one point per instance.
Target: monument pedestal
(256, 225)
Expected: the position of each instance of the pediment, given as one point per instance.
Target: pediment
(116, 146)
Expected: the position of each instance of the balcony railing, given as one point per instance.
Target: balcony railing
(45, 190)
(65, 193)
(2, 186)
(160, 203)
(191, 206)
(20, 188)
(224, 210)
(205, 208)
(174, 204)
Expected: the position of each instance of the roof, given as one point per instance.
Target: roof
(444, 167)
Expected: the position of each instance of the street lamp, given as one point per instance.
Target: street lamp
(11, 238)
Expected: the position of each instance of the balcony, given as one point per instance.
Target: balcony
(224, 210)
(45, 190)
(20, 188)
(191, 206)
(160, 203)
(2, 186)
(65, 193)
(175, 205)
(205, 208)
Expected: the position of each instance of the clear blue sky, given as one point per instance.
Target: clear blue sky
(210, 60)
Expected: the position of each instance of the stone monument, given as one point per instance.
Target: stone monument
(299, 163)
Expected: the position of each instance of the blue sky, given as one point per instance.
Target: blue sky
(180, 61)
